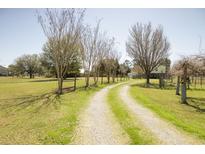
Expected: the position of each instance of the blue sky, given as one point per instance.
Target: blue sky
(20, 32)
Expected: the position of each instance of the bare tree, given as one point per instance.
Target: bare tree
(178, 85)
(108, 58)
(89, 50)
(184, 81)
(186, 67)
(114, 64)
(62, 28)
(147, 46)
(101, 49)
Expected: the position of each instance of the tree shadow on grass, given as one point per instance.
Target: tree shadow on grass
(50, 80)
(47, 80)
(197, 103)
(197, 89)
(68, 89)
(38, 101)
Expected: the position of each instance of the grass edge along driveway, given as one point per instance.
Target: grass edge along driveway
(136, 133)
(166, 104)
(26, 118)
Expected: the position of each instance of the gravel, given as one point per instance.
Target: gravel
(97, 124)
(163, 130)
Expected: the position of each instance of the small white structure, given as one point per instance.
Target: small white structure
(3, 71)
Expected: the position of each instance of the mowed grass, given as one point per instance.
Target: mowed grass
(136, 133)
(30, 112)
(167, 105)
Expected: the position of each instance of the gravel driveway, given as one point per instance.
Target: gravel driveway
(97, 124)
(163, 130)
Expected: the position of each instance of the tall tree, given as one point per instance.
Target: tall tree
(19, 66)
(26, 64)
(47, 64)
(12, 70)
(16, 69)
(186, 67)
(62, 28)
(31, 64)
(74, 69)
(104, 45)
(89, 50)
(147, 46)
(108, 59)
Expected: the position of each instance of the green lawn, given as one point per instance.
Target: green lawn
(136, 133)
(30, 113)
(167, 105)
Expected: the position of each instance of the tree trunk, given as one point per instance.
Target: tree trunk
(98, 74)
(171, 79)
(95, 79)
(147, 79)
(188, 83)
(108, 78)
(60, 85)
(148, 82)
(178, 85)
(201, 80)
(30, 75)
(87, 80)
(113, 78)
(102, 79)
(161, 84)
(192, 79)
(75, 82)
(183, 89)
